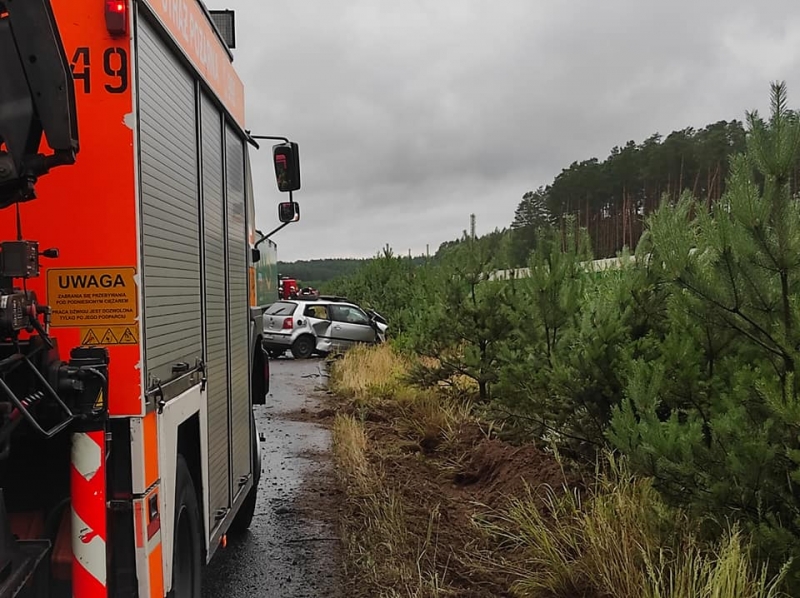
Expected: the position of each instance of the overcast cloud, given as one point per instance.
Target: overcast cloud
(412, 115)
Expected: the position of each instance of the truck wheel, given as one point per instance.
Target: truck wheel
(244, 517)
(186, 548)
(303, 347)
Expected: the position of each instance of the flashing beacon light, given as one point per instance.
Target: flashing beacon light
(116, 16)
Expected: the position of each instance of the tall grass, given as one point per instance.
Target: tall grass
(383, 551)
(368, 370)
(389, 548)
(376, 378)
(621, 541)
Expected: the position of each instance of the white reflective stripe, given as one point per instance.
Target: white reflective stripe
(154, 541)
(85, 455)
(88, 548)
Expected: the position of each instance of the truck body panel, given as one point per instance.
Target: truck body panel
(155, 224)
(267, 274)
(88, 210)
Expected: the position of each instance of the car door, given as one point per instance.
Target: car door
(350, 325)
(318, 318)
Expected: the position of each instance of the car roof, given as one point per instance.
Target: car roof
(305, 304)
(323, 302)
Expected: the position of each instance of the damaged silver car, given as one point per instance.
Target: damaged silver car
(319, 326)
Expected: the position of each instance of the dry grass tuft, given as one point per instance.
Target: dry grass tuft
(368, 370)
(622, 541)
(350, 451)
(373, 378)
(384, 552)
(392, 549)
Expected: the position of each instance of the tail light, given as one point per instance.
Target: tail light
(288, 323)
(117, 16)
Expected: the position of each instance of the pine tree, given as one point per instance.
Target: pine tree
(465, 323)
(531, 217)
(532, 211)
(715, 416)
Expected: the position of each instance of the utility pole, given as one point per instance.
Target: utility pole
(472, 225)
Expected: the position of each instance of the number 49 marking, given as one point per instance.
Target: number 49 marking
(115, 69)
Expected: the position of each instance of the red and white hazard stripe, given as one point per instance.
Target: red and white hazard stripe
(88, 489)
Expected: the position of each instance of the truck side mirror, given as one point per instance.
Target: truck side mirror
(286, 157)
(256, 255)
(288, 211)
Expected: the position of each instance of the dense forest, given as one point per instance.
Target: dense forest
(609, 199)
(316, 272)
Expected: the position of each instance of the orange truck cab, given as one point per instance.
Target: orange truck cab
(130, 358)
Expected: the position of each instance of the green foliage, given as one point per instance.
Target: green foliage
(685, 358)
(565, 364)
(465, 323)
(714, 415)
(317, 272)
(531, 216)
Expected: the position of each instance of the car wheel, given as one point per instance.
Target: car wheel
(187, 558)
(303, 347)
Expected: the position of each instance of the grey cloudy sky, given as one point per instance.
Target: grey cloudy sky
(412, 115)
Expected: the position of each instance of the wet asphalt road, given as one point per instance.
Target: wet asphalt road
(291, 550)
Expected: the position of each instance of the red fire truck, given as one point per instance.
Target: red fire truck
(129, 358)
(287, 288)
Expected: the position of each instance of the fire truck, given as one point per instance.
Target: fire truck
(287, 288)
(129, 353)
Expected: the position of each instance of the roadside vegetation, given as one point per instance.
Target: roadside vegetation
(634, 432)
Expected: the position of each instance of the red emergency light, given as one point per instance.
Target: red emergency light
(117, 16)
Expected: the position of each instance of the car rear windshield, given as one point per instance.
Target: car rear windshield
(281, 308)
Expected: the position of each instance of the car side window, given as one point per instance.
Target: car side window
(319, 312)
(350, 315)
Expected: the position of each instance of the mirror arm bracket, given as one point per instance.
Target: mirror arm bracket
(252, 139)
(269, 234)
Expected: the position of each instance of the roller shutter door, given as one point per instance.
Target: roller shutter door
(238, 322)
(216, 310)
(170, 208)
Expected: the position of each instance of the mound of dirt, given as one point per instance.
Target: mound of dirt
(496, 470)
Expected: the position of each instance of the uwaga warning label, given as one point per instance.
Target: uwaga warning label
(90, 297)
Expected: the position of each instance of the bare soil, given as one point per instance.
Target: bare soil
(466, 477)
